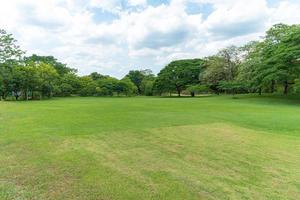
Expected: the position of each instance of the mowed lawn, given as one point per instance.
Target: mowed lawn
(151, 148)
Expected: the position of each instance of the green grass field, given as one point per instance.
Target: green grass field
(150, 148)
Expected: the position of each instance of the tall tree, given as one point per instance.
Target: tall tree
(126, 87)
(9, 50)
(138, 76)
(178, 75)
(50, 60)
(282, 54)
(221, 67)
(47, 78)
(250, 71)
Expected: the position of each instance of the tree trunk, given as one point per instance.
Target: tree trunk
(259, 91)
(192, 94)
(286, 88)
(178, 92)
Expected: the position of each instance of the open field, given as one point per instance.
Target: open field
(150, 148)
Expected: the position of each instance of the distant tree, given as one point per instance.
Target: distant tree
(50, 60)
(138, 76)
(6, 79)
(47, 78)
(96, 76)
(177, 75)
(213, 73)
(221, 67)
(87, 86)
(107, 86)
(250, 70)
(232, 87)
(9, 50)
(126, 87)
(10, 55)
(69, 84)
(17, 81)
(231, 59)
(148, 86)
(30, 80)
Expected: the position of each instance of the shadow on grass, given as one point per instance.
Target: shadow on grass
(270, 98)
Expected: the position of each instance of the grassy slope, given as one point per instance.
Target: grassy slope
(150, 148)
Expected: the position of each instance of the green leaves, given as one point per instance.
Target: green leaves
(178, 75)
(9, 50)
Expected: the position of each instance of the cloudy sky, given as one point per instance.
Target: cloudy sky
(113, 36)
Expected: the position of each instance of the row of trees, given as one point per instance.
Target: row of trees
(38, 77)
(270, 65)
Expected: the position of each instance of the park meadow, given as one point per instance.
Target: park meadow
(225, 126)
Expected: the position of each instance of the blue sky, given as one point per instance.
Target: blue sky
(114, 36)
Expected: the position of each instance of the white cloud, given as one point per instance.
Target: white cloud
(137, 2)
(141, 35)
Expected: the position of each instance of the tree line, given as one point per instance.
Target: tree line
(271, 65)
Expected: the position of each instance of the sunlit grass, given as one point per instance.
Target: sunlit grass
(150, 148)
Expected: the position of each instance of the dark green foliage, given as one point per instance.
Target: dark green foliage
(232, 87)
(139, 78)
(69, 84)
(177, 75)
(87, 86)
(106, 86)
(147, 87)
(270, 65)
(126, 87)
(96, 76)
(220, 67)
(273, 62)
(50, 60)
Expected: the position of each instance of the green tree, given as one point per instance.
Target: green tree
(213, 73)
(87, 86)
(250, 71)
(9, 50)
(232, 87)
(138, 76)
(47, 78)
(273, 61)
(69, 84)
(282, 54)
(221, 67)
(6, 79)
(126, 87)
(177, 75)
(148, 86)
(107, 86)
(96, 76)
(17, 81)
(10, 55)
(50, 60)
